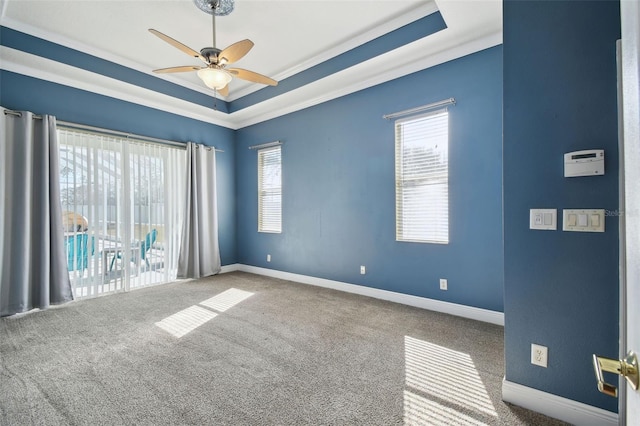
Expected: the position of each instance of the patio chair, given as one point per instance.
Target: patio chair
(149, 240)
(78, 251)
(145, 246)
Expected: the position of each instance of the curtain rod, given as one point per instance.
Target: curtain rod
(266, 145)
(450, 101)
(70, 125)
(19, 114)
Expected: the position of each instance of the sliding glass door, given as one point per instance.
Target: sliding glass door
(123, 202)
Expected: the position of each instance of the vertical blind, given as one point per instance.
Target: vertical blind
(422, 178)
(130, 196)
(270, 190)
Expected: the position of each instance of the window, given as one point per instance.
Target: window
(270, 190)
(422, 178)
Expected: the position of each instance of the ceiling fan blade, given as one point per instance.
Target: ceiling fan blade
(252, 76)
(184, 68)
(175, 43)
(234, 52)
(224, 91)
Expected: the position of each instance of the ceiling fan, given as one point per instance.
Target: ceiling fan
(215, 73)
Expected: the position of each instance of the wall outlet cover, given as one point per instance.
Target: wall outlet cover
(443, 284)
(544, 219)
(539, 355)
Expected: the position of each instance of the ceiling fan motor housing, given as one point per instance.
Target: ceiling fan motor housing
(210, 53)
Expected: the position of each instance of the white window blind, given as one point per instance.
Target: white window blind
(270, 190)
(130, 196)
(422, 178)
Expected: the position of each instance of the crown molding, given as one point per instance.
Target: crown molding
(45, 69)
(420, 12)
(347, 81)
(391, 25)
(99, 53)
(463, 36)
(351, 80)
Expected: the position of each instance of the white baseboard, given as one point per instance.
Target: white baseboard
(230, 268)
(557, 407)
(478, 314)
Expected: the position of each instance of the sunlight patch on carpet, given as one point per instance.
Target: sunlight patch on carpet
(443, 374)
(419, 411)
(227, 299)
(185, 321)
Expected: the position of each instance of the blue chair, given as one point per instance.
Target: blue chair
(145, 246)
(149, 240)
(77, 249)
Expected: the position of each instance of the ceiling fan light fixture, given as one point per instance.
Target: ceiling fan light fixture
(215, 7)
(214, 78)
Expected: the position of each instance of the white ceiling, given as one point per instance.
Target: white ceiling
(289, 36)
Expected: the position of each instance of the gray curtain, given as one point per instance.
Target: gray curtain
(33, 263)
(199, 251)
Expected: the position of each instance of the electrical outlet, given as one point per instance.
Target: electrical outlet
(539, 355)
(268, 258)
(443, 284)
(363, 270)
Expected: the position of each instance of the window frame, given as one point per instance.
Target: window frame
(263, 193)
(431, 176)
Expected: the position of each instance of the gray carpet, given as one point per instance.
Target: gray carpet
(290, 354)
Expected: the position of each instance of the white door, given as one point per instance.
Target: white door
(630, 16)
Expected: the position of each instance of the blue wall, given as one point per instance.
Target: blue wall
(19, 92)
(561, 288)
(339, 194)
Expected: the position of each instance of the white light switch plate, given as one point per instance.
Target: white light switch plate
(545, 219)
(583, 220)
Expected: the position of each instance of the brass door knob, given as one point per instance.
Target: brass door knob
(627, 367)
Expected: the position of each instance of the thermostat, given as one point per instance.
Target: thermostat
(584, 163)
